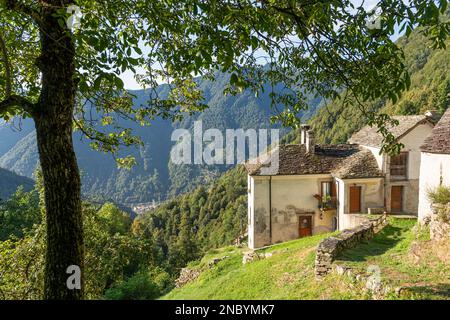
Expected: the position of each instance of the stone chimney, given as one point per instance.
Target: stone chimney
(432, 115)
(310, 142)
(303, 131)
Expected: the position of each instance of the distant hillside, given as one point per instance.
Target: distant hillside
(211, 216)
(154, 177)
(9, 182)
(11, 133)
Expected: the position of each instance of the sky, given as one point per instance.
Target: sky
(131, 83)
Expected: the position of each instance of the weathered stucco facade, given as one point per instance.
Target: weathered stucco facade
(291, 198)
(412, 142)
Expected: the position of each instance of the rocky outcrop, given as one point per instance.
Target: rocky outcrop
(186, 275)
(331, 247)
(370, 281)
(250, 256)
(215, 261)
(439, 222)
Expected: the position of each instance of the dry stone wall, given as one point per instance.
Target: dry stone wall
(331, 247)
(188, 275)
(439, 222)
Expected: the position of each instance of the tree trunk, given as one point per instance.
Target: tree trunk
(53, 120)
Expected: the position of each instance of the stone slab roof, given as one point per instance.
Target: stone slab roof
(340, 159)
(359, 165)
(439, 139)
(369, 136)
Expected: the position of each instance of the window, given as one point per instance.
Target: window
(399, 165)
(328, 191)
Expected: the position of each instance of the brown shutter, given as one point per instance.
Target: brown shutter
(397, 198)
(355, 199)
(399, 164)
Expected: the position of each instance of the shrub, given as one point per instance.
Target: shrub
(144, 285)
(138, 287)
(440, 195)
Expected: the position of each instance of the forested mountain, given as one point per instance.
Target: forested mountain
(9, 182)
(154, 177)
(208, 217)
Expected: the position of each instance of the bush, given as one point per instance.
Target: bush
(440, 195)
(144, 285)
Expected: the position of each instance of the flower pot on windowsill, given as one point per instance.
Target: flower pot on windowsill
(318, 197)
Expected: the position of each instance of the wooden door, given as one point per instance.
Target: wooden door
(355, 199)
(305, 226)
(397, 198)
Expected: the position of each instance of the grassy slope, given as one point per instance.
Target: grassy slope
(289, 273)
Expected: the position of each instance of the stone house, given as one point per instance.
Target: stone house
(322, 188)
(435, 163)
(401, 173)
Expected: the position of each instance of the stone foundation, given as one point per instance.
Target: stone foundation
(329, 248)
(440, 222)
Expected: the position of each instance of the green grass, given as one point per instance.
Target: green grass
(405, 257)
(289, 273)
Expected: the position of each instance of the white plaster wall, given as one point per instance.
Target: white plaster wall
(340, 184)
(260, 212)
(298, 191)
(379, 157)
(412, 141)
(433, 167)
(250, 206)
(372, 195)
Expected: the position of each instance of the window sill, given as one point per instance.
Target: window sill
(399, 178)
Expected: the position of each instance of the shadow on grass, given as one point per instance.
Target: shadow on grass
(382, 242)
(440, 290)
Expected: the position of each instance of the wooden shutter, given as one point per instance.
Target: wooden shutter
(397, 198)
(399, 164)
(355, 199)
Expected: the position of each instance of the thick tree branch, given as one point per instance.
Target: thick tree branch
(16, 101)
(5, 60)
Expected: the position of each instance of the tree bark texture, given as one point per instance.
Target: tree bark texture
(53, 120)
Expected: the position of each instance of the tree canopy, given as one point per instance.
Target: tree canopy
(66, 75)
(323, 47)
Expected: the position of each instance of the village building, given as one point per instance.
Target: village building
(435, 163)
(321, 188)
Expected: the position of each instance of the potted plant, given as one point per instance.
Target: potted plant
(324, 202)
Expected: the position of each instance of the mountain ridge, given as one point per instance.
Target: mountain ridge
(155, 177)
(9, 182)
